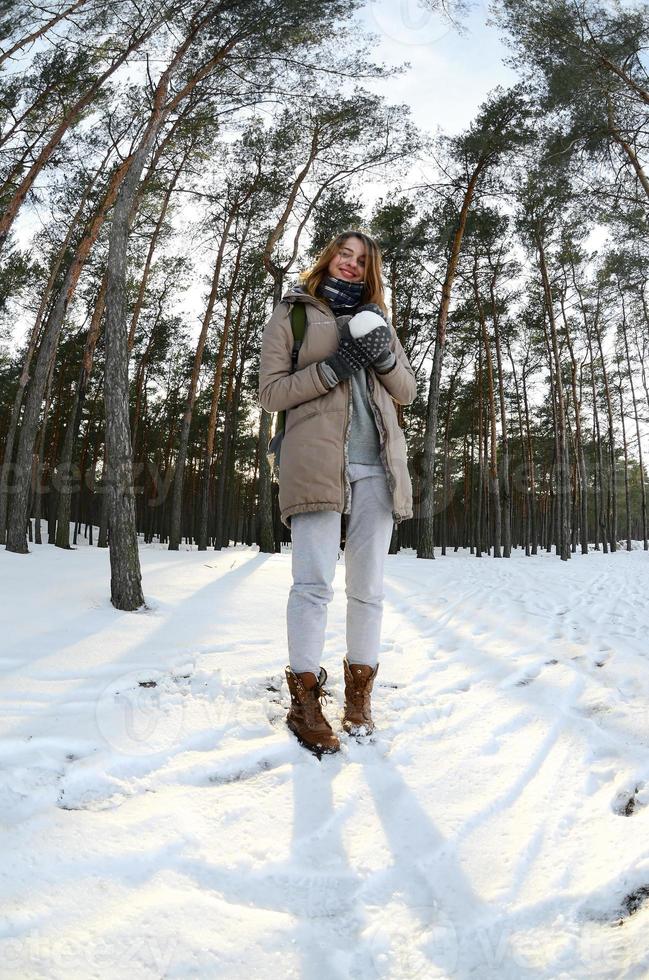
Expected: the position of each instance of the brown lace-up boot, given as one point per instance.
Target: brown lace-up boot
(305, 717)
(359, 681)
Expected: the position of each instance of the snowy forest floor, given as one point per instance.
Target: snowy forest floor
(159, 820)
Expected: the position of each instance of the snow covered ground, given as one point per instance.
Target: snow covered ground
(159, 820)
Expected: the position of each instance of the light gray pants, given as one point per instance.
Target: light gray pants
(316, 538)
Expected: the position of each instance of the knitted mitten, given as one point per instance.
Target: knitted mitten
(376, 344)
(348, 359)
(372, 333)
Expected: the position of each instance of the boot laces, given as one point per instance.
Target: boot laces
(324, 695)
(357, 694)
(358, 690)
(321, 693)
(316, 705)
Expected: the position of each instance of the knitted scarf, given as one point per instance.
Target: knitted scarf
(341, 295)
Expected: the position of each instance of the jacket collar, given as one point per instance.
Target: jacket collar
(296, 293)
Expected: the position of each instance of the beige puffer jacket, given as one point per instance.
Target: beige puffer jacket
(313, 467)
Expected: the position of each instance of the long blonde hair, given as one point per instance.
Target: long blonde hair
(373, 278)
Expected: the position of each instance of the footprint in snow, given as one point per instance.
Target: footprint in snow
(633, 902)
(91, 791)
(93, 803)
(521, 678)
(237, 775)
(591, 710)
(625, 803)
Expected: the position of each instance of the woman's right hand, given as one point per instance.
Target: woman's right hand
(348, 359)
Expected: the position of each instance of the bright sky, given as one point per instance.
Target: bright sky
(450, 74)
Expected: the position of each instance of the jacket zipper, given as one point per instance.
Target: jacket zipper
(382, 431)
(345, 427)
(326, 309)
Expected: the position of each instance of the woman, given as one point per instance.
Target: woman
(343, 451)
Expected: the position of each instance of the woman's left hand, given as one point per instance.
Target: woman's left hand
(376, 346)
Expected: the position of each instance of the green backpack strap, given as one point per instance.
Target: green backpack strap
(298, 326)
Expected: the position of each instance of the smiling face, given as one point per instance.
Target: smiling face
(349, 261)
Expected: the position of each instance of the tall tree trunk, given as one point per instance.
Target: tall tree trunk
(39, 457)
(18, 515)
(642, 353)
(643, 492)
(601, 522)
(478, 510)
(236, 402)
(526, 522)
(140, 375)
(534, 530)
(176, 502)
(144, 279)
(494, 489)
(74, 420)
(220, 533)
(216, 392)
(31, 347)
(505, 490)
(470, 532)
(563, 470)
(83, 472)
(126, 584)
(611, 438)
(627, 503)
(579, 441)
(126, 578)
(425, 548)
(102, 537)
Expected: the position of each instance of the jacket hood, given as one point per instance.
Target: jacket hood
(298, 292)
